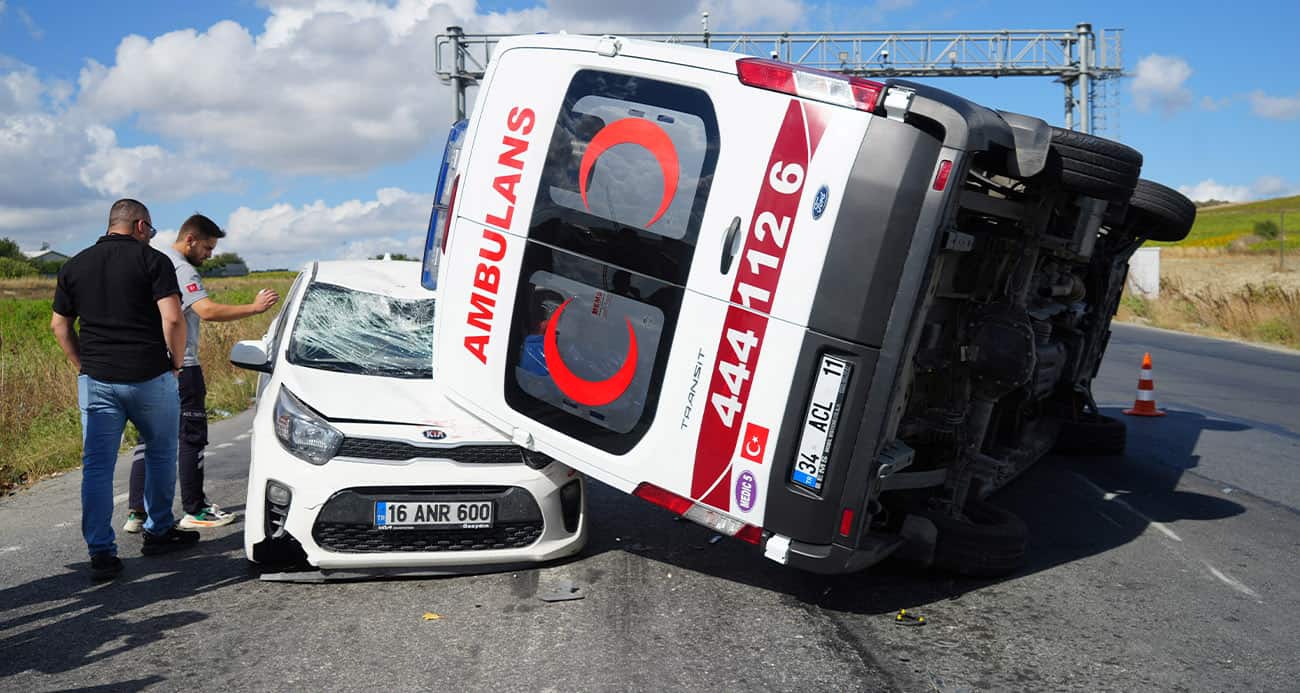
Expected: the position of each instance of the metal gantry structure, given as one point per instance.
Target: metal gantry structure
(1084, 61)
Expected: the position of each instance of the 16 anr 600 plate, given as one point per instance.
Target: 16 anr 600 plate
(455, 514)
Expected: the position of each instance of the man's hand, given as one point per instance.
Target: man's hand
(265, 299)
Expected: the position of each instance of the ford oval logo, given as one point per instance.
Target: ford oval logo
(822, 197)
(434, 434)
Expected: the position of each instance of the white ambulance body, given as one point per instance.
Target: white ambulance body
(692, 276)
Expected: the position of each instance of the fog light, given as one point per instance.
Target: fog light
(278, 493)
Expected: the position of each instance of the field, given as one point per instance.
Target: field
(1226, 281)
(40, 428)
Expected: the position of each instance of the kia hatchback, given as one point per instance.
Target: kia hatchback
(824, 315)
(358, 461)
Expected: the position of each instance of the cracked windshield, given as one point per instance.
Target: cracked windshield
(341, 329)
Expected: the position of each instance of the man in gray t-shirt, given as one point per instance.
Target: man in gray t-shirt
(194, 244)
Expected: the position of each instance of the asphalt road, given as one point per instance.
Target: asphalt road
(1173, 568)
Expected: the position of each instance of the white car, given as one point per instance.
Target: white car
(359, 462)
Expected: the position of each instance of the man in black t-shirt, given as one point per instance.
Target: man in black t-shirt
(129, 346)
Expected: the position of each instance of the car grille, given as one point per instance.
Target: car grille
(359, 538)
(374, 449)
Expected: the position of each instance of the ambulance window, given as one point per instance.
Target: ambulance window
(608, 326)
(628, 172)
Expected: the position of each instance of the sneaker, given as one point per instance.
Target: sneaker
(173, 540)
(134, 522)
(104, 566)
(211, 516)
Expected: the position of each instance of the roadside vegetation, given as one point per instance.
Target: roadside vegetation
(40, 427)
(1231, 277)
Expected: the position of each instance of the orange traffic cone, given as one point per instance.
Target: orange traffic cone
(1145, 404)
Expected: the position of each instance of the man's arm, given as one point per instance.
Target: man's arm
(61, 325)
(211, 311)
(173, 325)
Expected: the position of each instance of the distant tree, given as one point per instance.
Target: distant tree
(1266, 229)
(48, 266)
(9, 268)
(1209, 203)
(10, 249)
(218, 261)
(394, 256)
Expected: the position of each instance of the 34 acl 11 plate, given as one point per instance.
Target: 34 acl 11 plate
(819, 422)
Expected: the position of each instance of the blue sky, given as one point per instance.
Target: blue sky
(310, 128)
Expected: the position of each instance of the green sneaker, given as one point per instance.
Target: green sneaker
(134, 522)
(211, 516)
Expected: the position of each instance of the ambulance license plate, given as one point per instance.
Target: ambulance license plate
(819, 422)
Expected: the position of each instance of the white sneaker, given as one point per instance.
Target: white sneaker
(134, 522)
(211, 516)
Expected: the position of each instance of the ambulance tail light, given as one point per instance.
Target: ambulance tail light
(699, 514)
(435, 242)
(807, 83)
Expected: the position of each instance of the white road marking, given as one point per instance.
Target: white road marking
(1231, 581)
(1107, 495)
(9, 549)
(241, 436)
(223, 445)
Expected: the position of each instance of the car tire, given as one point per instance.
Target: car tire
(1092, 434)
(1159, 213)
(988, 542)
(1094, 166)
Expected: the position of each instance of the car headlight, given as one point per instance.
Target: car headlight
(302, 431)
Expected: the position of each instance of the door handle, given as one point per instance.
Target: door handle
(730, 244)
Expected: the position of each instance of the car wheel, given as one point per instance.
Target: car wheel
(1092, 434)
(988, 542)
(1159, 213)
(1094, 166)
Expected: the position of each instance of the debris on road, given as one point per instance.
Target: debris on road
(905, 619)
(430, 616)
(715, 538)
(563, 591)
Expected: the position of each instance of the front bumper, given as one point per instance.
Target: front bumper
(332, 505)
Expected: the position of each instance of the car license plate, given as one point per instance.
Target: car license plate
(819, 422)
(457, 514)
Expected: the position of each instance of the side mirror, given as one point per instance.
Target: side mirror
(251, 354)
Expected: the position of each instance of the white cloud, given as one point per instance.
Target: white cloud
(33, 29)
(1263, 188)
(1275, 107)
(285, 235)
(61, 168)
(1209, 103)
(1158, 84)
(342, 86)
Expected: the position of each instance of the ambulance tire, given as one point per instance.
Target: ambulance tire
(1160, 213)
(1094, 166)
(1091, 434)
(988, 542)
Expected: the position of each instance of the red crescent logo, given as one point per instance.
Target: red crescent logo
(593, 393)
(634, 131)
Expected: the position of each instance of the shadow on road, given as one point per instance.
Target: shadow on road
(81, 623)
(1067, 503)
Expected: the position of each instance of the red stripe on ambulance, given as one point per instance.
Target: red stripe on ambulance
(741, 342)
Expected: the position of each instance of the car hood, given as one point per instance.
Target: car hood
(368, 399)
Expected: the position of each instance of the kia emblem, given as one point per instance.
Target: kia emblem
(433, 434)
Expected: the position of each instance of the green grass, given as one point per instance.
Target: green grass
(1239, 220)
(40, 427)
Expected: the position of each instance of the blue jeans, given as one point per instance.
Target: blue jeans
(154, 406)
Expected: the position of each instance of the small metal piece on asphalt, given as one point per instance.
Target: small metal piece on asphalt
(905, 619)
(715, 538)
(562, 591)
(430, 616)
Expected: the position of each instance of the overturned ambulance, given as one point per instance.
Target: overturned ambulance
(823, 315)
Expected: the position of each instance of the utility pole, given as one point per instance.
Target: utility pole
(1281, 243)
